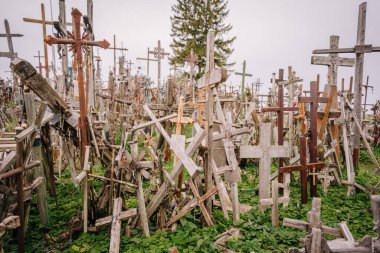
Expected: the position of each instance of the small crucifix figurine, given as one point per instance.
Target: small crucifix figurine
(77, 41)
(314, 99)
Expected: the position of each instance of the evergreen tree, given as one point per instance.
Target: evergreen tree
(191, 20)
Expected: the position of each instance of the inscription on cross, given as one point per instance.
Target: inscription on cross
(77, 41)
(314, 99)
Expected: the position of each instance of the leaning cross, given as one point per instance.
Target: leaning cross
(280, 109)
(304, 167)
(265, 151)
(360, 49)
(10, 54)
(77, 41)
(243, 75)
(314, 99)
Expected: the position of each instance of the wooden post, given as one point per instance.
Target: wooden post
(116, 226)
(20, 194)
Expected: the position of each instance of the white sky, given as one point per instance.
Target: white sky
(271, 34)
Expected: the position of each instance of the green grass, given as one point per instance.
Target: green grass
(258, 233)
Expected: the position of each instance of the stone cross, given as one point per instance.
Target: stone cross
(360, 49)
(265, 151)
(280, 109)
(304, 167)
(314, 99)
(77, 41)
(210, 81)
(243, 74)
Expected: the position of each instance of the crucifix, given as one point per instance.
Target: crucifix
(210, 80)
(366, 86)
(280, 109)
(159, 53)
(147, 59)
(304, 167)
(40, 67)
(243, 75)
(359, 49)
(314, 99)
(265, 151)
(192, 59)
(77, 41)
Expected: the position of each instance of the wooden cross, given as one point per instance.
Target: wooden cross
(280, 109)
(366, 86)
(243, 74)
(304, 167)
(257, 85)
(192, 59)
(40, 67)
(10, 54)
(360, 49)
(210, 81)
(265, 151)
(43, 22)
(77, 41)
(314, 99)
(159, 53)
(147, 59)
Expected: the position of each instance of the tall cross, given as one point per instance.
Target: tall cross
(77, 41)
(10, 54)
(43, 22)
(147, 59)
(243, 74)
(159, 53)
(40, 67)
(192, 59)
(304, 167)
(314, 99)
(210, 81)
(359, 49)
(265, 151)
(257, 85)
(280, 109)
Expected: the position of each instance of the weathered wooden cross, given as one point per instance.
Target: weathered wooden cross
(147, 59)
(243, 74)
(77, 41)
(10, 54)
(314, 99)
(360, 49)
(265, 152)
(192, 59)
(280, 109)
(210, 81)
(304, 167)
(159, 53)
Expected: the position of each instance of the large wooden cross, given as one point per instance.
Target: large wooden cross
(314, 99)
(210, 81)
(77, 41)
(360, 49)
(243, 74)
(280, 109)
(265, 152)
(304, 167)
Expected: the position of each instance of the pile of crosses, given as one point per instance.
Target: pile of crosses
(135, 132)
(316, 243)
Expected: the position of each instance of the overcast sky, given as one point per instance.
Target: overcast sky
(271, 34)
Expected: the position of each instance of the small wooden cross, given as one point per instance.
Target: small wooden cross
(243, 74)
(314, 99)
(304, 167)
